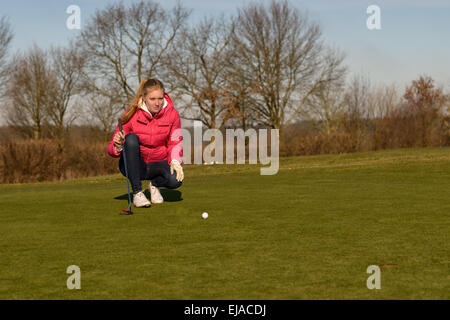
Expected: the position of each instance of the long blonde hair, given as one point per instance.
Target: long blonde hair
(144, 86)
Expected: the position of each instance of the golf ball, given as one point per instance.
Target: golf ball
(205, 215)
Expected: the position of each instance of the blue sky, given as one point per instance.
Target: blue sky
(413, 39)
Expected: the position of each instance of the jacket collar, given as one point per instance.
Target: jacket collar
(144, 107)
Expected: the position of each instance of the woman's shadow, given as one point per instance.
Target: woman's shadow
(169, 195)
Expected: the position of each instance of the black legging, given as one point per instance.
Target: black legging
(158, 172)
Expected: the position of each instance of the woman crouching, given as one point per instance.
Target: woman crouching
(153, 143)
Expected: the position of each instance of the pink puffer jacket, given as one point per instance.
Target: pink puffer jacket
(160, 136)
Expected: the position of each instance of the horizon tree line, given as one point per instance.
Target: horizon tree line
(266, 65)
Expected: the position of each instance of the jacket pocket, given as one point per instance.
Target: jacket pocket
(142, 121)
(163, 129)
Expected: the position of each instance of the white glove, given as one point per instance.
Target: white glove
(175, 165)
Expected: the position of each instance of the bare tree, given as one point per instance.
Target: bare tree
(67, 64)
(198, 68)
(383, 101)
(238, 100)
(358, 97)
(6, 36)
(124, 45)
(28, 92)
(386, 117)
(326, 107)
(104, 112)
(279, 56)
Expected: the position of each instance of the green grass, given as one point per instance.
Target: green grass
(308, 232)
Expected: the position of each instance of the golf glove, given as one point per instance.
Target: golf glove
(175, 165)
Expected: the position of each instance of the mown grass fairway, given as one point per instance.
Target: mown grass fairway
(308, 232)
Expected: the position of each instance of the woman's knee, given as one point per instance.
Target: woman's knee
(131, 140)
(173, 183)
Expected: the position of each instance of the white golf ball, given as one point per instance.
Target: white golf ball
(205, 215)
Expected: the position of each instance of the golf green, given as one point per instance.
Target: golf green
(308, 232)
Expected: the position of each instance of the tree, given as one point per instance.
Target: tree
(201, 77)
(237, 97)
(278, 55)
(384, 115)
(28, 92)
(358, 97)
(105, 112)
(67, 64)
(6, 36)
(425, 103)
(326, 107)
(125, 45)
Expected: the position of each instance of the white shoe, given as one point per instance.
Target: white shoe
(155, 194)
(140, 200)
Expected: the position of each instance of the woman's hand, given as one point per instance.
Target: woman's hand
(119, 140)
(175, 165)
